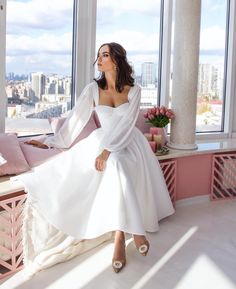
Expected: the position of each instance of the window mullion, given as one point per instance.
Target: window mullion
(85, 43)
(230, 109)
(3, 97)
(164, 85)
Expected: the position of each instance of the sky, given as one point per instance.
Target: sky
(39, 32)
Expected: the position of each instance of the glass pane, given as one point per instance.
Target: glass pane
(135, 24)
(211, 77)
(38, 63)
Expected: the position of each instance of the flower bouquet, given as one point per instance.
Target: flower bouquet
(159, 116)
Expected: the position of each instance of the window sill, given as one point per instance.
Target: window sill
(209, 146)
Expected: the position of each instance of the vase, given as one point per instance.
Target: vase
(159, 131)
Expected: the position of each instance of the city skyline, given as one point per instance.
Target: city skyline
(43, 95)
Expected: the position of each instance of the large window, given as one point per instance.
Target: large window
(135, 24)
(212, 66)
(38, 63)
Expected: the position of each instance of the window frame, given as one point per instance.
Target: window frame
(230, 89)
(229, 121)
(3, 25)
(229, 115)
(3, 96)
(84, 42)
(222, 132)
(166, 53)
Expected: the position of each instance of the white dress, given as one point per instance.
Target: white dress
(82, 203)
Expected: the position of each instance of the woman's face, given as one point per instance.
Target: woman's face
(104, 61)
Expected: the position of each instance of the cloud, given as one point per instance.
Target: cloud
(133, 41)
(39, 36)
(214, 5)
(38, 14)
(151, 7)
(47, 53)
(212, 38)
(45, 43)
(43, 63)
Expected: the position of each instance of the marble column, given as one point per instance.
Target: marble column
(185, 74)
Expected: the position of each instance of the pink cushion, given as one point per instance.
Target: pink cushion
(96, 119)
(140, 123)
(12, 153)
(90, 126)
(36, 156)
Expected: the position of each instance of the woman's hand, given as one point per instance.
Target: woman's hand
(37, 144)
(100, 162)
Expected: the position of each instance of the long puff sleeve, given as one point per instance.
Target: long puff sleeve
(118, 136)
(75, 121)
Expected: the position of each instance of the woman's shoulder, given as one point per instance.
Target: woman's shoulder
(136, 88)
(91, 87)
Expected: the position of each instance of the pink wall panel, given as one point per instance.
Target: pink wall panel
(193, 176)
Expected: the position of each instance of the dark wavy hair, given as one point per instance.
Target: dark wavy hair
(123, 69)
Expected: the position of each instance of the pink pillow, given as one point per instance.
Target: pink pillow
(90, 127)
(12, 153)
(96, 119)
(140, 123)
(36, 156)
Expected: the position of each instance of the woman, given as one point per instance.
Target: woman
(110, 181)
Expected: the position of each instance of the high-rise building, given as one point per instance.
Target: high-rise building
(218, 81)
(204, 79)
(67, 85)
(38, 84)
(210, 81)
(148, 74)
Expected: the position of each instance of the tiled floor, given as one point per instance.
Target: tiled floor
(194, 249)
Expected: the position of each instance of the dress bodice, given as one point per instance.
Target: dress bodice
(109, 116)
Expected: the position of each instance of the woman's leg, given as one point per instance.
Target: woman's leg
(119, 258)
(141, 244)
(119, 248)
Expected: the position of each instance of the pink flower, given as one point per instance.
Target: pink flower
(168, 114)
(157, 111)
(162, 110)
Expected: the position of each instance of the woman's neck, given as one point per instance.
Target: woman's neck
(111, 81)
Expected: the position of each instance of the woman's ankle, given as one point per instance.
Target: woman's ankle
(139, 239)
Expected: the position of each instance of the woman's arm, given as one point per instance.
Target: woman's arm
(75, 121)
(100, 162)
(36, 143)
